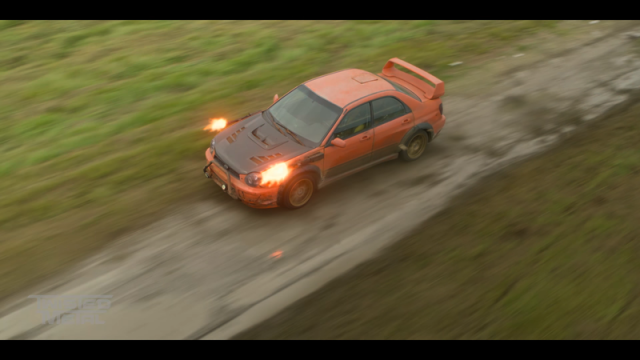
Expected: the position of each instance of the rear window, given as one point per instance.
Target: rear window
(404, 90)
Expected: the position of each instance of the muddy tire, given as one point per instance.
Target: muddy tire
(415, 146)
(299, 191)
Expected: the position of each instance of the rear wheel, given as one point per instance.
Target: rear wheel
(299, 191)
(415, 146)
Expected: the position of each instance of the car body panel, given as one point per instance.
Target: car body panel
(341, 88)
(253, 144)
(388, 135)
(253, 196)
(357, 153)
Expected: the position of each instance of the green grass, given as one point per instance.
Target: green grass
(546, 250)
(99, 117)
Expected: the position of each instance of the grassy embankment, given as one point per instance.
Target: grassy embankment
(101, 121)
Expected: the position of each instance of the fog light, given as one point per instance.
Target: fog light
(224, 187)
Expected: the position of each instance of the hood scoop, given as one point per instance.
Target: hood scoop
(260, 137)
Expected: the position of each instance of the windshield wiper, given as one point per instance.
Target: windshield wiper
(291, 133)
(273, 121)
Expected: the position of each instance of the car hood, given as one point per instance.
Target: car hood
(253, 144)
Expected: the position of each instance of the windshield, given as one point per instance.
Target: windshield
(305, 113)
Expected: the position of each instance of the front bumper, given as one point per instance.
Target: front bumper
(236, 188)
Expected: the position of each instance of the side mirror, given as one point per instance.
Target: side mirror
(338, 142)
(275, 98)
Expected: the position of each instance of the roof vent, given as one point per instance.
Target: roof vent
(364, 78)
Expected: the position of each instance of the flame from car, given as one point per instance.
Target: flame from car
(216, 124)
(275, 174)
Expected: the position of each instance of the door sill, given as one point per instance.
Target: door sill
(351, 172)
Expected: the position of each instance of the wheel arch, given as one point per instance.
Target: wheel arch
(426, 127)
(314, 170)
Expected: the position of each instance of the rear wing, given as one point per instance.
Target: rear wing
(431, 92)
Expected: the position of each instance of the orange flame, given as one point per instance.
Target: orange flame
(216, 124)
(275, 174)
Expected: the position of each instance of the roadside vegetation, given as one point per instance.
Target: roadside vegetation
(547, 249)
(101, 121)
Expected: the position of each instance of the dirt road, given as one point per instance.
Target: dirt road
(209, 270)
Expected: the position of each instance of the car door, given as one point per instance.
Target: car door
(355, 129)
(391, 121)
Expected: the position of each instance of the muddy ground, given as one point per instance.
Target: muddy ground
(207, 271)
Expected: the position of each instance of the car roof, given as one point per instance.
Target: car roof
(345, 86)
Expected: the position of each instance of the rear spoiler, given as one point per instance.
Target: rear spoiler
(431, 92)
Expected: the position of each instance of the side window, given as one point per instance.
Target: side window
(387, 109)
(355, 121)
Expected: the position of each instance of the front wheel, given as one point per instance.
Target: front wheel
(298, 191)
(415, 146)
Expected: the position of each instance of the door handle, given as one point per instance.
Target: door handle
(405, 121)
(365, 137)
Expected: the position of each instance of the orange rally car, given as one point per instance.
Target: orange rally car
(323, 130)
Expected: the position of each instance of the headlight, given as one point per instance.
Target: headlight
(213, 143)
(253, 179)
(274, 175)
(270, 177)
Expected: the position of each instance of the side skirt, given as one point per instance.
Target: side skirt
(351, 172)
